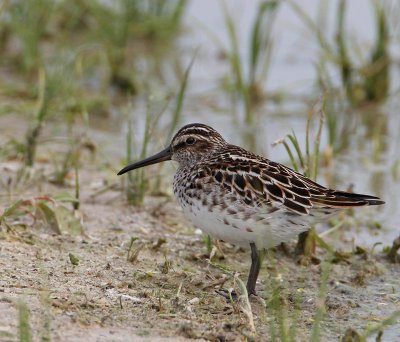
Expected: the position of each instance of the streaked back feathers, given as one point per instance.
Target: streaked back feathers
(254, 178)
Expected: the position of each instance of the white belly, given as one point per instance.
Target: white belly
(265, 230)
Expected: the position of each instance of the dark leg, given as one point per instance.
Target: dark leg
(256, 260)
(301, 242)
(306, 244)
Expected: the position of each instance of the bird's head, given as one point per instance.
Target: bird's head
(190, 144)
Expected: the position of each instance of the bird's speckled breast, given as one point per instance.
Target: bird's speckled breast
(223, 214)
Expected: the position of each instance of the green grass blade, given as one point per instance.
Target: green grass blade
(292, 158)
(260, 37)
(234, 56)
(319, 314)
(292, 137)
(317, 143)
(176, 116)
(391, 320)
(308, 154)
(343, 59)
(11, 209)
(24, 328)
(312, 26)
(321, 242)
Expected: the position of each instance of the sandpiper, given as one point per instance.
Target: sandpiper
(243, 198)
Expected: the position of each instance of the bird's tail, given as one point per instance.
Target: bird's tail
(342, 199)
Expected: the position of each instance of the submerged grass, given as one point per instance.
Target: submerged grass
(364, 73)
(121, 25)
(29, 23)
(115, 25)
(250, 76)
(38, 34)
(364, 81)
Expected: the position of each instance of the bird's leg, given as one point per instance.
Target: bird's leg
(256, 260)
(306, 244)
(301, 242)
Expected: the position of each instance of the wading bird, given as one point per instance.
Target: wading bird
(243, 198)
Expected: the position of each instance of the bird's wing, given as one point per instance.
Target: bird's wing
(264, 182)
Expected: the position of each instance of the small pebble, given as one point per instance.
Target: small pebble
(194, 301)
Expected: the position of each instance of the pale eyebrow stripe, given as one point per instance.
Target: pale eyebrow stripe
(192, 130)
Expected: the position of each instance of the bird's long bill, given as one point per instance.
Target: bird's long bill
(157, 158)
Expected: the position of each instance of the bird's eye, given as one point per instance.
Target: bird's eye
(190, 141)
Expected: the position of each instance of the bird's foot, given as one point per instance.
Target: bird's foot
(232, 296)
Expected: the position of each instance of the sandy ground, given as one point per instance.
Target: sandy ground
(167, 291)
